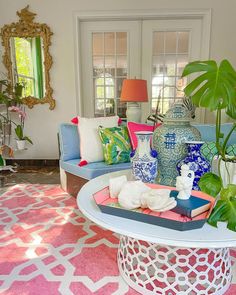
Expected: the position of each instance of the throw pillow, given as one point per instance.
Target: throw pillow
(90, 143)
(231, 150)
(134, 127)
(116, 144)
(209, 150)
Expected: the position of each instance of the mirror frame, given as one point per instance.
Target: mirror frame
(26, 27)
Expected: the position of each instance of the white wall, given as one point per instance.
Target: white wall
(42, 123)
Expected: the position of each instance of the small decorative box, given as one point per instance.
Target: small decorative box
(168, 219)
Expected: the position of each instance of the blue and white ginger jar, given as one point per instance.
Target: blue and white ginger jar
(144, 159)
(195, 161)
(169, 142)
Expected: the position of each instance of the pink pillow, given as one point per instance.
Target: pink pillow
(134, 127)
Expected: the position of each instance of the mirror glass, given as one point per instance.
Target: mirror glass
(28, 65)
(27, 58)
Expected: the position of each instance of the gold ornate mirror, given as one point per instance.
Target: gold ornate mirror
(27, 57)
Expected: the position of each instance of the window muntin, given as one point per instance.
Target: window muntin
(110, 68)
(170, 54)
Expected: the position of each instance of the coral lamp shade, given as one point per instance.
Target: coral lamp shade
(134, 90)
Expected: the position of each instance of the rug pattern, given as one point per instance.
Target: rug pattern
(48, 247)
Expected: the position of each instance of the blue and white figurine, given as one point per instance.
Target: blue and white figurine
(144, 159)
(195, 161)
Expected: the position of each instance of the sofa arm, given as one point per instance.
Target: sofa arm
(69, 142)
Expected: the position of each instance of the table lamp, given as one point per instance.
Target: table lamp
(133, 92)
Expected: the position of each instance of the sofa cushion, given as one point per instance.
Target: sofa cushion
(93, 169)
(208, 131)
(69, 142)
(90, 143)
(116, 144)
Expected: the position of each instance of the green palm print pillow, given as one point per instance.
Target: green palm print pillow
(116, 144)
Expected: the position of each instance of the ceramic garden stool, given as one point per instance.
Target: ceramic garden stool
(160, 261)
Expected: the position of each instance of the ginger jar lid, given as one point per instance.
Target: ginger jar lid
(177, 113)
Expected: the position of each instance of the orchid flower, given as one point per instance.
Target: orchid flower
(18, 110)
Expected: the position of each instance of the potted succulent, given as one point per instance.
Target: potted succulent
(214, 88)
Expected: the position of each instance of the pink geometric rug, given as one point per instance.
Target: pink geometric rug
(48, 247)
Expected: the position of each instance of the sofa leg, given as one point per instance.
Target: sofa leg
(71, 183)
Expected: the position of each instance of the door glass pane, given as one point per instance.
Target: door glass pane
(109, 43)
(183, 42)
(170, 42)
(121, 43)
(121, 109)
(159, 65)
(121, 66)
(158, 43)
(97, 43)
(110, 65)
(119, 82)
(110, 93)
(110, 107)
(99, 107)
(99, 92)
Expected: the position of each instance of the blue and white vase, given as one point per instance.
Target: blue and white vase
(169, 142)
(144, 159)
(196, 162)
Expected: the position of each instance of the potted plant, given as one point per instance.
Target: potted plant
(9, 96)
(21, 138)
(214, 88)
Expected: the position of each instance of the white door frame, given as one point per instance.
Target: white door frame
(80, 16)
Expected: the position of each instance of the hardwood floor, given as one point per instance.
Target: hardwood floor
(24, 174)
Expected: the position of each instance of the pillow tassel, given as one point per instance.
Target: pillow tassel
(82, 163)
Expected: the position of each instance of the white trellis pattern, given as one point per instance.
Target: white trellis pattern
(157, 269)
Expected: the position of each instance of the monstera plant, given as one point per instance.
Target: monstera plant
(214, 88)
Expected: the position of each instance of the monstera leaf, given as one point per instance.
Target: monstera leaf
(225, 208)
(210, 183)
(214, 88)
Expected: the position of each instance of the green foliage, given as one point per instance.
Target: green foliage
(10, 95)
(225, 209)
(214, 88)
(20, 134)
(210, 183)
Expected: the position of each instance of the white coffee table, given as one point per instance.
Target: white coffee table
(157, 260)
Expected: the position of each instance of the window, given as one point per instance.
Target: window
(28, 65)
(110, 68)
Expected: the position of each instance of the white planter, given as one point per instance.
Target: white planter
(227, 170)
(20, 144)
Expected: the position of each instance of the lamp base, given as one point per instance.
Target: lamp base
(133, 112)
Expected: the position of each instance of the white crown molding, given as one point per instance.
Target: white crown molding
(141, 14)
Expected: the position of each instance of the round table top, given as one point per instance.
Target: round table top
(205, 237)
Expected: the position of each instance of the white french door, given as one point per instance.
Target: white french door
(110, 52)
(167, 46)
(155, 50)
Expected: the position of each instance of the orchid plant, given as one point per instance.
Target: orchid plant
(19, 130)
(11, 97)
